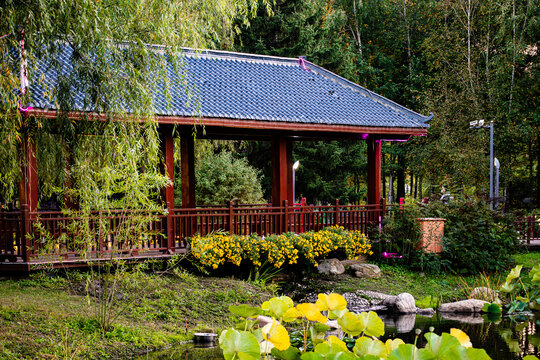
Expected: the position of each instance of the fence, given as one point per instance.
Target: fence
(55, 235)
(528, 228)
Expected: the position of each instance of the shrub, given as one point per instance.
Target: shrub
(476, 239)
(214, 250)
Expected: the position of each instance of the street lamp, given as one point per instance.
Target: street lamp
(294, 167)
(496, 194)
(479, 124)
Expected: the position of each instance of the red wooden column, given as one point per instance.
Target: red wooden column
(281, 177)
(167, 150)
(374, 171)
(28, 192)
(281, 170)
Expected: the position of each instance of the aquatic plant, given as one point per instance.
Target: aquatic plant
(359, 340)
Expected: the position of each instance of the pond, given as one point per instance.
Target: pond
(508, 339)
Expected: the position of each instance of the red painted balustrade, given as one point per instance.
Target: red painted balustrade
(56, 236)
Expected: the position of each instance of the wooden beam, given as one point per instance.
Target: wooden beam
(253, 124)
(187, 173)
(374, 170)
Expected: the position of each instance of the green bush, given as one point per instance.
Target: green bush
(476, 239)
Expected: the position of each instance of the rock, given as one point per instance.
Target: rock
(484, 293)
(333, 324)
(369, 271)
(465, 306)
(401, 304)
(464, 318)
(331, 266)
(263, 320)
(405, 304)
(405, 323)
(390, 301)
(348, 263)
(429, 312)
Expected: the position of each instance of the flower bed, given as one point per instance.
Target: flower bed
(216, 249)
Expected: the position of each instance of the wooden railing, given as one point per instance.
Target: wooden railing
(50, 235)
(528, 228)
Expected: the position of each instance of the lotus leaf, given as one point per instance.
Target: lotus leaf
(445, 346)
(318, 332)
(332, 346)
(331, 302)
(534, 274)
(492, 308)
(311, 312)
(514, 273)
(239, 344)
(291, 314)
(478, 354)
(277, 335)
(391, 345)
(277, 306)
(410, 352)
(463, 338)
(367, 346)
(291, 353)
(245, 311)
(507, 287)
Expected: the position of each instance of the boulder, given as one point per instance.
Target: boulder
(401, 304)
(331, 266)
(464, 318)
(429, 312)
(405, 304)
(369, 271)
(348, 263)
(484, 293)
(389, 301)
(465, 306)
(405, 323)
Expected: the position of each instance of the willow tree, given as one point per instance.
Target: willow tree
(108, 38)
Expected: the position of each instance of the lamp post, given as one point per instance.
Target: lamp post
(496, 193)
(479, 124)
(294, 167)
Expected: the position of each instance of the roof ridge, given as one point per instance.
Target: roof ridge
(226, 54)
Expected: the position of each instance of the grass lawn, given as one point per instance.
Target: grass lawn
(51, 317)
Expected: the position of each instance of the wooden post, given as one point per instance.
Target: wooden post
(167, 149)
(231, 218)
(337, 213)
(286, 215)
(374, 170)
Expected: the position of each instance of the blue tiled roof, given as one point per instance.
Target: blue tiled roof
(251, 87)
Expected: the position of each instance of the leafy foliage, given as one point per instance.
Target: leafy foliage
(475, 239)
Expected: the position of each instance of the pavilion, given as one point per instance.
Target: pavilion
(239, 96)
